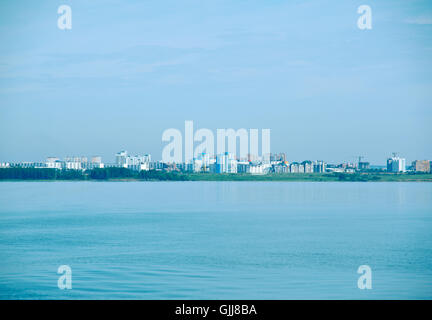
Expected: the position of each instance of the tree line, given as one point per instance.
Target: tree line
(94, 174)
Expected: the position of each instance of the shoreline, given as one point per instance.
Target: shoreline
(127, 175)
(204, 177)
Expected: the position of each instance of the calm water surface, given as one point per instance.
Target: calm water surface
(215, 240)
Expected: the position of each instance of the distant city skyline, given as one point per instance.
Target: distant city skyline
(225, 162)
(127, 71)
(157, 157)
(138, 157)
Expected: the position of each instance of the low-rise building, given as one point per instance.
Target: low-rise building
(140, 167)
(362, 166)
(28, 164)
(294, 167)
(280, 167)
(54, 163)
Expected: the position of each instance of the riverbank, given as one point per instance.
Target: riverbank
(124, 175)
(314, 177)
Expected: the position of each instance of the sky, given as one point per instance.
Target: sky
(128, 70)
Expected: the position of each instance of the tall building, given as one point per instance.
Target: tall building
(121, 158)
(319, 166)
(225, 163)
(396, 164)
(421, 166)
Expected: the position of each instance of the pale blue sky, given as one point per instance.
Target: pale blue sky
(130, 69)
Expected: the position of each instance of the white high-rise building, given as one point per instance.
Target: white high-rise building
(226, 163)
(121, 158)
(396, 164)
